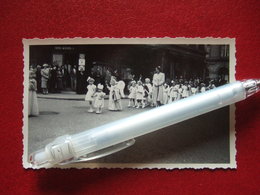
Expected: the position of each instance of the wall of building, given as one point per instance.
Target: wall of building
(217, 59)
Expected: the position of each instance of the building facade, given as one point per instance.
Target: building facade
(217, 60)
(133, 61)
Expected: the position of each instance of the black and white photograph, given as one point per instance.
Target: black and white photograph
(75, 85)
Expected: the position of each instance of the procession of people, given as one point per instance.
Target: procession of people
(141, 93)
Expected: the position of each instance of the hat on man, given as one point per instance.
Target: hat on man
(45, 65)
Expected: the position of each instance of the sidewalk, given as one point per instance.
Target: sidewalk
(65, 95)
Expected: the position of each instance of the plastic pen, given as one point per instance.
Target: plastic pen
(112, 137)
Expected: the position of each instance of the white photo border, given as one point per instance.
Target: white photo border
(98, 41)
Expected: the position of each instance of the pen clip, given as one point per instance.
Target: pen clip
(102, 152)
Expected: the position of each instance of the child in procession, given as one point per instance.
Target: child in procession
(132, 94)
(166, 90)
(99, 99)
(185, 90)
(147, 92)
(139, 95)
(194, 89)
(171, 92)
(90, 93)
(202, 87)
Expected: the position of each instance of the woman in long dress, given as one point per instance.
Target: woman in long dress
(33, 102)
(158, 81)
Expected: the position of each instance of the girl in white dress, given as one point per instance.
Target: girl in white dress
(90, 94)
(139, 95)
(202, 88)
(132, 94)
(185, 91)
(194, 89)
(147, 93)
(166, 90)
(176, 95)
(171, 92)
(99, 99)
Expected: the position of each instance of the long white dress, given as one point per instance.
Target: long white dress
(194, 90)
(139, 92)
(165, 94)
(33, 102)
(203, 89)
(185, 92)
(114, 102)
(158, 81)
(132, 94)
(90, 93)
(99, 99)
(175, 91)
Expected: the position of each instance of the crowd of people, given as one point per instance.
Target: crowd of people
(141, 93)
(54, 78)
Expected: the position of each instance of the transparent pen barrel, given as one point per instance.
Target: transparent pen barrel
(154, 119)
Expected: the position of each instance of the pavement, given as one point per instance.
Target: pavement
(204, 139)
(65, 95)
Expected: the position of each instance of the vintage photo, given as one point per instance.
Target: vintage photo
(73, 85)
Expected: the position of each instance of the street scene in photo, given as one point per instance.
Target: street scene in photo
(76, 87)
